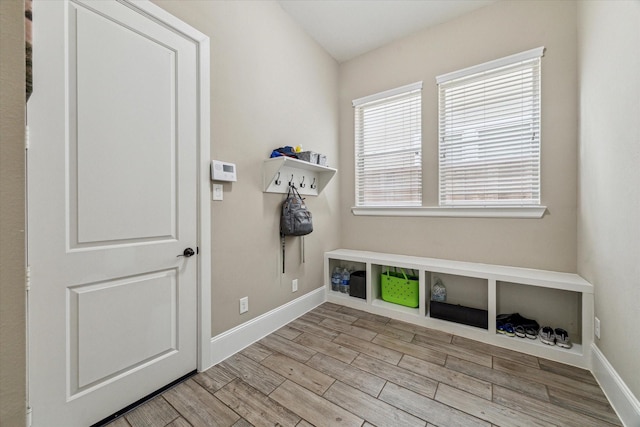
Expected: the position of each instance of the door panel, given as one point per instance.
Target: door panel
(138, 313)
(112, 186)
(126, 142)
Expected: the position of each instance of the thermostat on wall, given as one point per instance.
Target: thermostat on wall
(223, 171)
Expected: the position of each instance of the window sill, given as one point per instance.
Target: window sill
(531, 212)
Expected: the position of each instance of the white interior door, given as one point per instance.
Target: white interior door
(112, 202)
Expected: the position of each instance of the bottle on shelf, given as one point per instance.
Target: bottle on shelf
(438, 292)
(336, 279)
(344, 287)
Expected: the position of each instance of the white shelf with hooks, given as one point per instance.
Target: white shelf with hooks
(310, 179)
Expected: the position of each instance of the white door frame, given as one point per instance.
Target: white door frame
(201, 42)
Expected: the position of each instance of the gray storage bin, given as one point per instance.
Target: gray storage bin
(308, 156)
(358, 284)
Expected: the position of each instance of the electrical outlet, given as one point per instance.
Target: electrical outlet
(294, 285)
(244, 305)
(596, 327)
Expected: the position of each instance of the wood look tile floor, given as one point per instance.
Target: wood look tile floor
(336, 366)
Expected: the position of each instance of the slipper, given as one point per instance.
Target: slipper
(520, 331)
(531, 333)
(547, 335)
(562, 338)
(508, 330)
(517, 319)
(504, 318)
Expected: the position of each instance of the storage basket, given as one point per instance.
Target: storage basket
(399, 288)
(460, 314)
(358, 284)
(308, 156)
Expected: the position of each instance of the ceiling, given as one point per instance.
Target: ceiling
(348, 28)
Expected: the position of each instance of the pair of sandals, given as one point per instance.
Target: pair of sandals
(518, 331)
(557, 336)
(515, 325)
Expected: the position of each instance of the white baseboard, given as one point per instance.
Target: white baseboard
(232, 341)
(622, 399)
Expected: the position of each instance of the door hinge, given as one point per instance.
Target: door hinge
(29, 411)
(26, 137)
(27, 278)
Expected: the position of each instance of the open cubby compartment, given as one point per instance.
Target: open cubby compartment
(376, 288)
(557, 308)
(349, 265)
(467, 299)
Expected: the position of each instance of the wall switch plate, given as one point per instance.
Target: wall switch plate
(217, 192)
(244, 305)
(596, 327)
(294, 285)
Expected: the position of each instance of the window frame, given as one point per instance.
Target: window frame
(529, 170)
(406, 95)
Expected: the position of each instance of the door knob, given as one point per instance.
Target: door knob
(187, 253)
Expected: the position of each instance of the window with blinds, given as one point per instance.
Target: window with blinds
(489, 133)
(388, 147)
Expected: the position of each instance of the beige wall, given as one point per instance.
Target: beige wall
(12, 241)
(271, 85)
(501, 29)
(609, 202)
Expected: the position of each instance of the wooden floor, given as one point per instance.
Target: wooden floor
(340, 366)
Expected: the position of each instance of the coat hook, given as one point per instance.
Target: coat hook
(302, 184)
(313, 184)
(291, 181)
(278, 179)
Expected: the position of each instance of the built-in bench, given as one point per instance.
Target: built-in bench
(552, 298)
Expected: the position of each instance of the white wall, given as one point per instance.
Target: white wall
(609, 175)
(498, 30)
(271, 85)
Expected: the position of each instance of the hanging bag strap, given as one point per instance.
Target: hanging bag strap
(294, 191)
(283, 251)
(290, 192)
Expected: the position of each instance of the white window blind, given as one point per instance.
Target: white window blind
(388, 147)
(489, 133)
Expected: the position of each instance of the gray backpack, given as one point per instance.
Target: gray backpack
(295, 219)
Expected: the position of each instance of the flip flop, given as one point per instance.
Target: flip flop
(547, 335)
(531, 333)
(508, 330)
(562, 338)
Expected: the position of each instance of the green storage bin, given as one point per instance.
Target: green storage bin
(399, 288)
